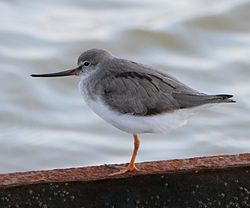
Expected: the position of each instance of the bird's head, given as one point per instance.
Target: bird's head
(87, 61)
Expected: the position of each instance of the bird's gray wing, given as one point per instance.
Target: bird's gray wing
(144, 91)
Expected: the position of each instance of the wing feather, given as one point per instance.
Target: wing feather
(140, 90)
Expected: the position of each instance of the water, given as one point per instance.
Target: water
(45, 124)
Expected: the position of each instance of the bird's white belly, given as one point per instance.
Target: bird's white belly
(141, 124)
(138, 124)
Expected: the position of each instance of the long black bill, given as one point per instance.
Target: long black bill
(70, 72)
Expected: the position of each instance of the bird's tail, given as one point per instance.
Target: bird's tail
(192, 100)
(221, 98)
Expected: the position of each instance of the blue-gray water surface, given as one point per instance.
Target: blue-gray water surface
(44, 123)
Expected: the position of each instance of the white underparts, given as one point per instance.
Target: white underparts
(138, 124)
(143, 124)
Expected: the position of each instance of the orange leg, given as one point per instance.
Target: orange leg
(131, 166)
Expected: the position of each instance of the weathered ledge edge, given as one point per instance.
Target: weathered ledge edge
(103, 172)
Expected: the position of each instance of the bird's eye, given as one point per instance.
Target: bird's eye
(86, 63)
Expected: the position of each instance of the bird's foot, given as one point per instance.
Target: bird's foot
(123, 170)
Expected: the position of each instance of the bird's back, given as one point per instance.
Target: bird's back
(133, 88)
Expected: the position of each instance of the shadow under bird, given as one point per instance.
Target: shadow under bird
(134, 97)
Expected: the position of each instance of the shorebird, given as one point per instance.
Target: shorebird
(134, 97)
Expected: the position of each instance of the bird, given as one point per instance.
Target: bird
(134, 97)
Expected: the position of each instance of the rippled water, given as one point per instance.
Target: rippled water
(44, 123)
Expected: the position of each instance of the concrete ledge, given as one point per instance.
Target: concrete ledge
(218, 181)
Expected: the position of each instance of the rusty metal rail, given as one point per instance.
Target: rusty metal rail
(219, 181)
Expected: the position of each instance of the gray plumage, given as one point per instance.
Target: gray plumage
(109, 84)
(133, 88)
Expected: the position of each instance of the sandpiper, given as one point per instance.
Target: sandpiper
(135, 98)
